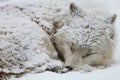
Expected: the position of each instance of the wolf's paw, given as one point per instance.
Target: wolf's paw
(54, 66)
(85, 68)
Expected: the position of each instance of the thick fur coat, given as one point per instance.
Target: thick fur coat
(86, 38)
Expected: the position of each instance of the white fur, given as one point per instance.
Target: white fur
(24, 46)
(86, 38)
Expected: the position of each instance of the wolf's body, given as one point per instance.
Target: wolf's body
(86, 38)
(25, 47)
(81, 37)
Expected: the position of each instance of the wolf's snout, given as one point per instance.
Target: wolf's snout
(69, 68)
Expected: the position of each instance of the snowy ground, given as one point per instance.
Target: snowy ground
(3, 0)
(111, 73)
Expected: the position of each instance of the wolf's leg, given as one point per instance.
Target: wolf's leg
(64, 49)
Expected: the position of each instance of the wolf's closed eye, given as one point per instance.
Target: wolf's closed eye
(89, 53)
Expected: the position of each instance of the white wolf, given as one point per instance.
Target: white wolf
(86, 38)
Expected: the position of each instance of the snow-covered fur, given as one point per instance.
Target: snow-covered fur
(25, 47)
(86, 38)
(24, 43)
(36, 11)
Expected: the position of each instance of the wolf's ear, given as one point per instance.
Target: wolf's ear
(111, 19)
(75, 9)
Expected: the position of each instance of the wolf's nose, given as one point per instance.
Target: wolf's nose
(69, 68)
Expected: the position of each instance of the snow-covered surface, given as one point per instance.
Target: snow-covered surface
(111, 73)
(3, 0)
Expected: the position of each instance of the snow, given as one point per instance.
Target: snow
(106, 74)
(110, 73)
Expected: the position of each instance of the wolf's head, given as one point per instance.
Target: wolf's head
(89, 36)
(95, 33)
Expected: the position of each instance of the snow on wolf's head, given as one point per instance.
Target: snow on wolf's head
(86, 38)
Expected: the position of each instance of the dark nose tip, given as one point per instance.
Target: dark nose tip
(69, 68)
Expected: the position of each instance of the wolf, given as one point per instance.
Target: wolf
(86, 38)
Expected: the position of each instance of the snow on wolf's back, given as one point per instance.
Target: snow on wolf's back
(24, 46)
(86, 38)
